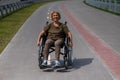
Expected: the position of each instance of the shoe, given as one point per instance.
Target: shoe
(44, 63)
(57, 63)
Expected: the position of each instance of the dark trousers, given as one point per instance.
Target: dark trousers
(57, 43)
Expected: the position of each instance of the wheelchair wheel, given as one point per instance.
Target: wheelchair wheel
(66, 62)
(68, 58)
(40, 56)
(40, 60)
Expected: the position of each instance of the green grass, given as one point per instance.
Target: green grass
(9, 25)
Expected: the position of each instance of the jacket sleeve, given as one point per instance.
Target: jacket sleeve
(46, 28)
(65, 28)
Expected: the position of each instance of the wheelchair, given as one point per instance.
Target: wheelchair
(66, 52)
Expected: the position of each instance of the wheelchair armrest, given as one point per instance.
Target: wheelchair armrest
(43, 39)
(67, 40)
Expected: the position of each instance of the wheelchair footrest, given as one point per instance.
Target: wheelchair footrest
(50, 66)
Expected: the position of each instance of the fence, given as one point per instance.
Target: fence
(9, 8)
(110, 5)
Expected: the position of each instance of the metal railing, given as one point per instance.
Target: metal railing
(110, 5)
(10, 8)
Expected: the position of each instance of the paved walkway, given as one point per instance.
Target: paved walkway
(96, 45)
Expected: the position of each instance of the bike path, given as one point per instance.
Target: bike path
(19, 60)
(101, 31)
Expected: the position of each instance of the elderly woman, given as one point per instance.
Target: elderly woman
(55, 31)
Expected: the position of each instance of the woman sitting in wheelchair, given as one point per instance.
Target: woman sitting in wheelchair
(56, 32)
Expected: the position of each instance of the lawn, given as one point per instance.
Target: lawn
(9, 25)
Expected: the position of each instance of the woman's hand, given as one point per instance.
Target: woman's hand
(38, 43)
(70, 38)
(70, 44)
(39, 37)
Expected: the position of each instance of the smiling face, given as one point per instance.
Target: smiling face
(55, 16)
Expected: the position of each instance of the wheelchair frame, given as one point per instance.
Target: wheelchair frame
(67, 51)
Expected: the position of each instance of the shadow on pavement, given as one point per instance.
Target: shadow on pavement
(77, 63)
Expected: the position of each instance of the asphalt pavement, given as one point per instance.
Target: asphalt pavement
(95, 36)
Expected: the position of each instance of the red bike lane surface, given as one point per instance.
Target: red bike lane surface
(107, 54)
